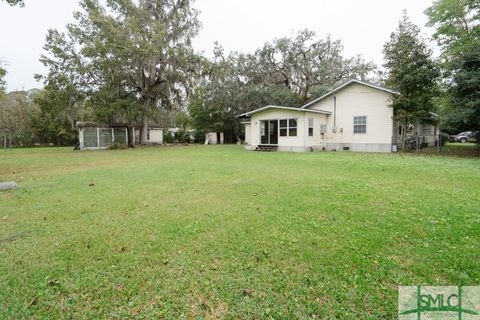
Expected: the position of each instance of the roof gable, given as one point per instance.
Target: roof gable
(248, 114)
(343, 86)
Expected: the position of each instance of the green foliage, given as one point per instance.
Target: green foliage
(168, 138)
(117, 146)
(465, 89)
(183, 120)
(140, 50)
(456, 25)
(457, 31)
(412, 72)
(199, 136)
(3, 83)
(444, 138)
(182, 136)
(18, 113)
(54, 122)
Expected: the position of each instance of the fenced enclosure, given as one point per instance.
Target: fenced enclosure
(95, 137)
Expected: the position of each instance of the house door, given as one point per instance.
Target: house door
(269, 132)
(273, 131)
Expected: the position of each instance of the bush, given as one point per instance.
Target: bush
(117, 146)
(169, 138)
(444, 138)
(199, 136)
(182, 136)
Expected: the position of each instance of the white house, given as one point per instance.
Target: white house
(355, 116)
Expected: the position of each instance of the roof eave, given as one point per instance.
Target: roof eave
(249, 114)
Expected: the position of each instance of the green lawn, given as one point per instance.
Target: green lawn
(216, 232)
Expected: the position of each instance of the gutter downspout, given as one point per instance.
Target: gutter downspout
(394, 134)
(335, 112)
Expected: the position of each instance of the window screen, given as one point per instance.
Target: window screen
(90, 138)
(360, 124)
(105, 136)
(120, 135)
(310, 127)
(323, 128)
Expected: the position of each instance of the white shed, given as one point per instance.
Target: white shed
(154, 135)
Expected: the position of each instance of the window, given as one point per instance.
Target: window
(360, 124)
(288, 128)
(310, 127)
(283, 128)
(292, 127)
(323, 128)
(262, 128)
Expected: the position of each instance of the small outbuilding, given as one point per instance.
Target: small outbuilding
(214, 138)
(154, 135)
(93, 136)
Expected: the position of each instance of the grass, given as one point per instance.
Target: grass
(455, 150)
(216, 232)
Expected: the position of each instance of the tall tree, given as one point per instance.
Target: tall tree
(465, 90)
(307, 65)
(232, 85)
(456, 23)
(65, 81)
(412, 72)
(457, 31)
(148, 45)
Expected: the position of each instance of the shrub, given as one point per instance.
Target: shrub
(182, 136)
(444, 138)
(169, 138)
(199, 136)
(117, 146)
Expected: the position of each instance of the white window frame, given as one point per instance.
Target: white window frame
(288, 127)
(360, 124)
(311, 123)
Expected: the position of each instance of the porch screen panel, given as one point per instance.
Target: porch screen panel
(105, 137)
(90, 138)
(120, 135)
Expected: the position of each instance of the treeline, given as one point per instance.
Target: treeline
(133, 62)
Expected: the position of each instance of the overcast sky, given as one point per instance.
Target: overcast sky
(238, 25)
